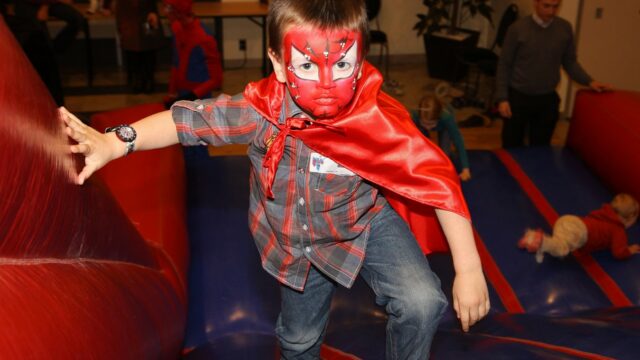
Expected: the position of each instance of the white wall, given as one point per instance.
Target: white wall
(609, 48)
(397, 18)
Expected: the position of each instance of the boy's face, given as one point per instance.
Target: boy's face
(321, 69)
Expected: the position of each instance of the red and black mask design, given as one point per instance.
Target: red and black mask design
(322, 68)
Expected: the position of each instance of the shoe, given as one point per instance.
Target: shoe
(531, 240)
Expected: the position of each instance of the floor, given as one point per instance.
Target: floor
(109, 91)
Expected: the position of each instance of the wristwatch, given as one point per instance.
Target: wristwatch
(126, 134)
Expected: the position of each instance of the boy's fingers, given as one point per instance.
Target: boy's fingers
(71, 119)
(456, 307)
(473, 315)
(84, 174)
(464, 320)
(76, 134)
(80, 149)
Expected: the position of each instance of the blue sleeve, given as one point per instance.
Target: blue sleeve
(447, 123)
(415, 116)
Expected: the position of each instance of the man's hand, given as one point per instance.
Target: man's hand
(634, 249)
(504, 109)
(465, 174)
(97, 148)
(470, 298)
(600, 87)
(43, 13)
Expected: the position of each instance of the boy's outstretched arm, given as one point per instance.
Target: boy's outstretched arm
(155, 131)
(470, 294)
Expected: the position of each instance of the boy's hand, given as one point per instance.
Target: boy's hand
(465, 174)
(470, 298)
(634, 249)
(98, 149)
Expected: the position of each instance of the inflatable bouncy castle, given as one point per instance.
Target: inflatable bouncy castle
(152, 257)
(84, 273)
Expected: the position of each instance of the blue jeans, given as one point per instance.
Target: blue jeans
(399, 274)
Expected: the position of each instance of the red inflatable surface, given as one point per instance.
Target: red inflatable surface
(77, 280)
(605, 133)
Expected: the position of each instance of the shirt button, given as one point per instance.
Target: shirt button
(301, 201)
(307, 249)
(305, 227)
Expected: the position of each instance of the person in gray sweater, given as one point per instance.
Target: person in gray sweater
(534, 49)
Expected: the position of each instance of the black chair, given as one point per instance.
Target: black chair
(376, 36)
(485, 61)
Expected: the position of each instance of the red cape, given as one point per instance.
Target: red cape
(378, 141)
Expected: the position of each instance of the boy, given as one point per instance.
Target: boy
(196, 68)
(316, 211)
(601, 229)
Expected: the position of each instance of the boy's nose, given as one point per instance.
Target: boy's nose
(326, 78)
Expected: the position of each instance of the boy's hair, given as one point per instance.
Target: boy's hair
(430, 109)
(322, 14)
(626, 206)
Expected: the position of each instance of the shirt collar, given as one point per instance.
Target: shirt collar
(541, 22)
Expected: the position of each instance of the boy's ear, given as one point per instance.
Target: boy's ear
(278, 66)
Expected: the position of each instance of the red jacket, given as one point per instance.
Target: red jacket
(606, 231)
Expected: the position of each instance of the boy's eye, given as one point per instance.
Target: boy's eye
(342, 65)
(302, 67)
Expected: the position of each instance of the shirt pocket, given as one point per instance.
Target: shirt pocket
(331, 192)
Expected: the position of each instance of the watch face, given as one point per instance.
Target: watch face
(126, 133)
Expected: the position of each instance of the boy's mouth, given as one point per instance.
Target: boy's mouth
(325, 100)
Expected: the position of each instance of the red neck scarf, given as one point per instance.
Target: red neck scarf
(378, 141)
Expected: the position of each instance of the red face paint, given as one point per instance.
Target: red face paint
(322, 67)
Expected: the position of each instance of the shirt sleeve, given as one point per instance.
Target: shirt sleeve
(448, 121)
(619, 245)
(571, 65)
(505, 64)
(218, 121)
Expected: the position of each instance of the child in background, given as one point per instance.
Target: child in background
(141, 36)
(319, 211)
(436, 114)
(601, 229)
(196, 66)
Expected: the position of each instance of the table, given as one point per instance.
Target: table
(256, 12)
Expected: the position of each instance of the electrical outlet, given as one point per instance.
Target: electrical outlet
(242, 45)
(599, 12)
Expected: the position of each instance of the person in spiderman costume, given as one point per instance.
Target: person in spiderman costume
(342, 182)
(196, 68)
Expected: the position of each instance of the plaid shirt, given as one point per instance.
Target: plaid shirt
(321, 211)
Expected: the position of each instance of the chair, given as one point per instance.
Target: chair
(376, 36)
(485, 61)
